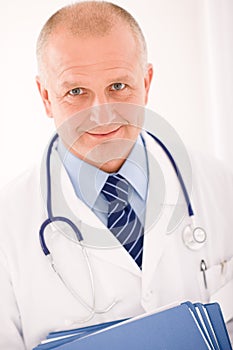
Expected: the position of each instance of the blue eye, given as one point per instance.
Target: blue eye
(118, 86)
(76, 92)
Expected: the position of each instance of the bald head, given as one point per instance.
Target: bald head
(89, 19)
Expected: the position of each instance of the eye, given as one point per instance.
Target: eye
(76, 92)
(117, 86)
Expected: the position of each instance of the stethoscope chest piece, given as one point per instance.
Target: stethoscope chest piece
(194, 238)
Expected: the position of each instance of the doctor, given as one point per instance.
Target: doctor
(92, 71)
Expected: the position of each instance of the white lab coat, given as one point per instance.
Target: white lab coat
(33, 299)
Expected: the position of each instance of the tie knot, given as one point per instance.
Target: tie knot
(116, 189)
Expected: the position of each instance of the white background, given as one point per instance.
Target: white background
(190, 44)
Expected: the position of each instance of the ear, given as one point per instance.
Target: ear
(45, 96)
(147, 80)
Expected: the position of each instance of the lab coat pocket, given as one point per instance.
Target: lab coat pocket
(219, 282)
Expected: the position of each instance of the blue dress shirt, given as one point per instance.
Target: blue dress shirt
(82, 174)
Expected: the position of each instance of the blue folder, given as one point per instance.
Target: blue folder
(219, 326)
(184, 327)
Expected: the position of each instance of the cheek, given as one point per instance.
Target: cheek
(60, 119)
(62, 113)
(132, 132)
(138, 98)
(144, 92)
(60, 107)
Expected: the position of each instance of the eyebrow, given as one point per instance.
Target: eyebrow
(69, 84)
(123, 78)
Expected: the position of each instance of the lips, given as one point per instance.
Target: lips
(104, 133)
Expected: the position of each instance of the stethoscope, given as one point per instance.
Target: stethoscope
(193, 237)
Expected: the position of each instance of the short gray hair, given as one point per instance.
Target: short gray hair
(89, 18)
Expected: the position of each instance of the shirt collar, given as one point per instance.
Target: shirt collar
(81, 174)
(135, 168)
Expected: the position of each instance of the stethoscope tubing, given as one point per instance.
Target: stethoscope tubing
(177, 171)
(51, 218)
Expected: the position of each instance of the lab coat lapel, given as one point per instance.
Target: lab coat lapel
(100, 242)
(162, 198)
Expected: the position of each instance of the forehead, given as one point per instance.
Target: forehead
(117, 49)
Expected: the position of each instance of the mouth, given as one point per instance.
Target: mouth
(105, 133)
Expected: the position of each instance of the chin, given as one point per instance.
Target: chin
(112, 166)
(108, 155)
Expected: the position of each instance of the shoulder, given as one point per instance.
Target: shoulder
(18, 207)
(212, 195)
(211, 170)
(202, 173)
(22, 184)
(19, 195)
(201, 164)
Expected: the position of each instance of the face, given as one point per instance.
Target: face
(90, 87)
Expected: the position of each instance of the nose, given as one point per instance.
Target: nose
(101, 111)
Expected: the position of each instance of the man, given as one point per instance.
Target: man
(93, 79)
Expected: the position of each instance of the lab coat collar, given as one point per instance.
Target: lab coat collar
(99, 241)
(162, 198)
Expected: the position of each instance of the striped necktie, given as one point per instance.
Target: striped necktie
(122, 220)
